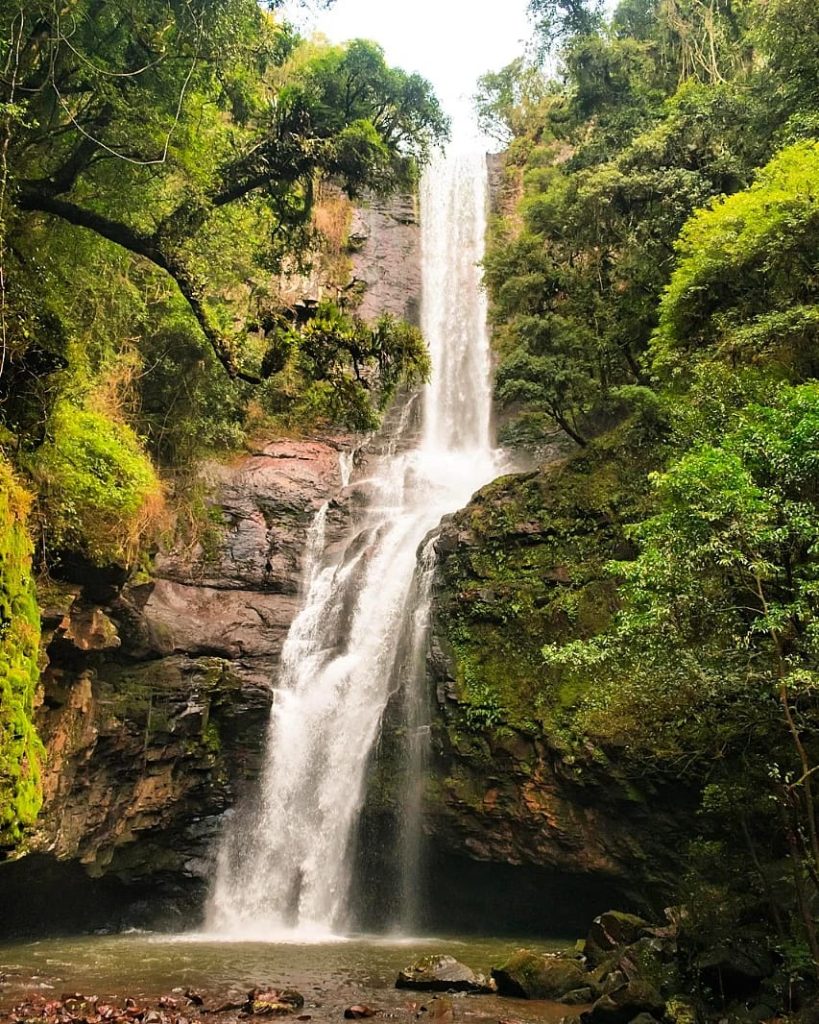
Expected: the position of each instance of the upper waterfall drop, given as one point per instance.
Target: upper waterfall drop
(454, 311)
(285, 870)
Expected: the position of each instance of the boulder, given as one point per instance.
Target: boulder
(439, 973)
(578, 997)
(624, 1004)
(530, 975)
(736, 969)
(611, 931)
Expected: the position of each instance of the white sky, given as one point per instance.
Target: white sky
(450, 42)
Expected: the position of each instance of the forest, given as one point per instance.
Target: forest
(644, 599)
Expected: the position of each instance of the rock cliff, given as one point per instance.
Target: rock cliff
(156, 694)
(521, 825)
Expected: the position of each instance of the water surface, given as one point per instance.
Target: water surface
(330, 975)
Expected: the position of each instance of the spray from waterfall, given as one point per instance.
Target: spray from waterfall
(286, 868)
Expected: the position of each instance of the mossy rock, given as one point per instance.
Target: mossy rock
(523, 566)
(21, 751)
(530, 975)
(625, 1004)
(611, 931)
(437, 973)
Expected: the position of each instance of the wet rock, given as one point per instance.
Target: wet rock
(624, 1004)
(610, 931)
(357, 1012)
(578, 997)
(273, 1002)
(530, 975)
(439, 973)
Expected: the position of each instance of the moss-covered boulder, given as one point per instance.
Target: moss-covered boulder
(625, 1004)
(531, 975)
(20, 747)
(611, 931)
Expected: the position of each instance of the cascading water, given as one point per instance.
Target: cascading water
(287, 869)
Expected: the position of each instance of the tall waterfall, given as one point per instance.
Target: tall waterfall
(287, 870)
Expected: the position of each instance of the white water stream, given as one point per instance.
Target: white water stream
(286, 872)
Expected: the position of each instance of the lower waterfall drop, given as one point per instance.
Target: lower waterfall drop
(285, 870)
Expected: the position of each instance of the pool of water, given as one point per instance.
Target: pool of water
(331, 975)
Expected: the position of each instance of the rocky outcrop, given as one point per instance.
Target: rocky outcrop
(156, 693)
(514, 808)
(522, 566)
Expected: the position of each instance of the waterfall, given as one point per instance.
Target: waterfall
(285, 868)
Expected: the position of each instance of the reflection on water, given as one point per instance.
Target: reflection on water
(330, 976)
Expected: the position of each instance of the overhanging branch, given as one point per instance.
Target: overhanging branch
(148, 248)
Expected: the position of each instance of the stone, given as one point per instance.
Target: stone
(530, 975)
(611, 931)
(624, 1004)
(441, 973)
(578, 997)
(357, 1012)
(273, 1002)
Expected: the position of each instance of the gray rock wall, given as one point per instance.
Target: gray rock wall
(386, 241)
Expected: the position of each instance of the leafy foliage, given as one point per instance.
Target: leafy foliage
(20, 748)
(98, 490)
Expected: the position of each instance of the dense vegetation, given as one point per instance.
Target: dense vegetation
(167, 171)
(654, 295)
(20, 749)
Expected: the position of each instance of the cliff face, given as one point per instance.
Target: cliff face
(523, 566)
(156, 694)
(548, 831)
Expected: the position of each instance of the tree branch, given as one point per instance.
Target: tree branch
(148, 248)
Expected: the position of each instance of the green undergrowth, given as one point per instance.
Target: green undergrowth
(534, 571)
(20, 748)
(99, 493)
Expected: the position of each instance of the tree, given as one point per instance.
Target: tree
(720, 618)
(141, 122)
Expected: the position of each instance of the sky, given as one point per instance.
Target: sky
(449, 42)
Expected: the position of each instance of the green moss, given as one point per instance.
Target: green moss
(98, 489)
(533, 572)
(20, 748)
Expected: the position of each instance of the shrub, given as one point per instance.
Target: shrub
(99, 493)
(20, 747)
